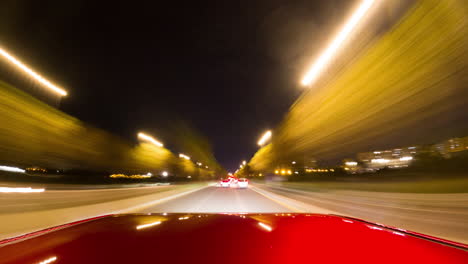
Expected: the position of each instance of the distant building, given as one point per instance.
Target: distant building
(403, 157)
(393, 158)
(450, 146)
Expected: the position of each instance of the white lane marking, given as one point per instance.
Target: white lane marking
(242, 208)
(198, 207)
(270, 196)
(292, 204)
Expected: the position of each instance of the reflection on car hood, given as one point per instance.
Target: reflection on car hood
(227, 238)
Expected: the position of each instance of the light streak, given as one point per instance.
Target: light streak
(143, 136)
(49, 260)
(148, 225)
(265, 226)
(20, 190)
(184, 156)
(327, 55)
(31, 73)
(11, 169)
(406, 158)
(264, 138)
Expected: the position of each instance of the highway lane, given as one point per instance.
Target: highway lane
(439, 215)
(22, 213)
(220, 200)
(56, 199)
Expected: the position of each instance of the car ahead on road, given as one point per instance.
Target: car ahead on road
(243, 183)
(233, 183)
(205, 238)
(225, 183)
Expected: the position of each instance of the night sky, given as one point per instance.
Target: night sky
(229, 68)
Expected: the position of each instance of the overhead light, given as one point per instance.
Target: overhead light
(266, 136)
(333, 47)
(11, 169)
(32, 73)
(143, 136)
(184, 156)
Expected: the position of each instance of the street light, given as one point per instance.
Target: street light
(145, 137)
(266, 136)
(184, 156)
(326, 56)
(31, 73)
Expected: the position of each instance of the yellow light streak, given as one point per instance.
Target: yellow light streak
(264, 138)
(148, 225)
(31, 73)
(326, 56)
(143, 136)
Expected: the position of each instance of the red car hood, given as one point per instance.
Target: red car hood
(228, 238)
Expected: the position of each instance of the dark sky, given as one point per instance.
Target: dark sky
(230, 68)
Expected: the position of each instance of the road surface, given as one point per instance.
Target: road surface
(220, 200)
(440, 215)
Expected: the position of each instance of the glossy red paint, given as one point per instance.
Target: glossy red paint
(204, 238)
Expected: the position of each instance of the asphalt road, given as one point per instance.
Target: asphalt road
(220, 200)
(440, 215)
(56, 199)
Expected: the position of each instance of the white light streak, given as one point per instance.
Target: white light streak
(265, 226)
(326, 56)
(406, 158)
(351, 163)
(49, 260)
(184, 156)
(148, 225)
(381, 161)
(20, 190)
(264, 138)
(143, 136)
(31, 73)
(11, 169)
